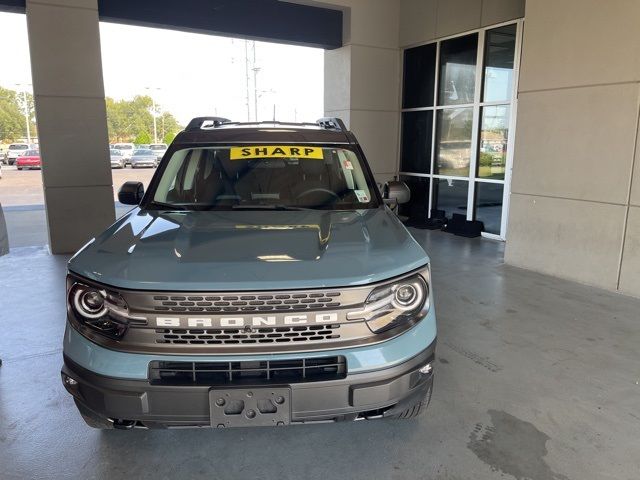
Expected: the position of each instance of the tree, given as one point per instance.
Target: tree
(168, 137)
(142, 138)
(128, 118)
(12, 120)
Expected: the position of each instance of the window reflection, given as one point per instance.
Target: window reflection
(498, 71)
(450, 195)
(417, 128)
(458, 70)
(418, 206)
(454, 141)
(419, 76)
(488, 205)
(494, 132)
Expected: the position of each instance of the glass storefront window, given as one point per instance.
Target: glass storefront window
(419, 76)
(450, 195)
(458, 70)
(464, 161)
(417, 128)
(488, 205)
(500, 46)
(494, 133)
(453, 141)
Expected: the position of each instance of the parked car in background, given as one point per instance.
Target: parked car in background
(15, 150)
(117, 159)
(126, 149)
(159, 149)
(143, 158)
(28, 160)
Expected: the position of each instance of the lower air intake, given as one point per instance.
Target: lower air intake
(248, 372)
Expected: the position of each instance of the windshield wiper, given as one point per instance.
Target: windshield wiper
(167, 206)
(269, 207)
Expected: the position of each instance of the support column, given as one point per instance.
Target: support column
(362, 80)
(66, 66)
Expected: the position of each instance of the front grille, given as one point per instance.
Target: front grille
(248, 372)
(246, 303)
(230, 336)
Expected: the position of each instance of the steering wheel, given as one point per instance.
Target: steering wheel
(317, 190)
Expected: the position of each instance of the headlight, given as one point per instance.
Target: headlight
(391, 305)
(101, 310)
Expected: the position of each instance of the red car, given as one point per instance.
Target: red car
(29, 159)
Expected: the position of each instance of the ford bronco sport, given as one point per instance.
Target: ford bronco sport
(262, 279)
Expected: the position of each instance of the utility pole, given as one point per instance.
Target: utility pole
(255, 82)
(154, 112)
(25, 108)
(246, 75)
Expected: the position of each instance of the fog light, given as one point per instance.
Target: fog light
(426, 369)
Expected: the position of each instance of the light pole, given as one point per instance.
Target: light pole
(25, 107)
(255, 69)
(155, 125)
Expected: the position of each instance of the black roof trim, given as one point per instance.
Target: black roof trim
(207, 123)
(198, 123)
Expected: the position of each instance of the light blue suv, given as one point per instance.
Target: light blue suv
(261, 280)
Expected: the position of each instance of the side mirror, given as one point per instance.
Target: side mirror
(131, 193)
(395, 192)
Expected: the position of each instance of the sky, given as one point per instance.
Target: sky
(190, 74)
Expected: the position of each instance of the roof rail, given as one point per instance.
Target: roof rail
(203, 122)
(332, 123)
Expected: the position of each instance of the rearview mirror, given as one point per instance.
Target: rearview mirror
(131, 193)
(395, 192)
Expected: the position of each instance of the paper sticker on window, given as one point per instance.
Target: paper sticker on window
(275, 151)
(347, 164)
(362, 196)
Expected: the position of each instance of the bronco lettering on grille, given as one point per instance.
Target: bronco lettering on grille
(239, 322)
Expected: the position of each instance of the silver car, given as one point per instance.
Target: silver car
(159, 149)
(143, 158)
(117, 159)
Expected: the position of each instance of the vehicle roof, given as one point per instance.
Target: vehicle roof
(265, 132)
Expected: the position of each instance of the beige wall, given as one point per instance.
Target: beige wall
(425, 20)
(575, 212)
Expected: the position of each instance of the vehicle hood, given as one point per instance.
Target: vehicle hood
(249, 250)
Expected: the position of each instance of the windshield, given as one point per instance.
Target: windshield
(116, 153)
(31, 153)
(124, 147)
(264, 177)
(158, 147)
(18, 147)
(143, 152)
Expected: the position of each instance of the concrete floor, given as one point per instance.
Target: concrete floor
(537, 378)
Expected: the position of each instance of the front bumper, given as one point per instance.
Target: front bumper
(382, 392)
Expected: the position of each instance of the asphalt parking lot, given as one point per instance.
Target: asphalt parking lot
(22, 202)
(24, 187)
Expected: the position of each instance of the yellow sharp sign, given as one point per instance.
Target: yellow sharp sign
(275, 151)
